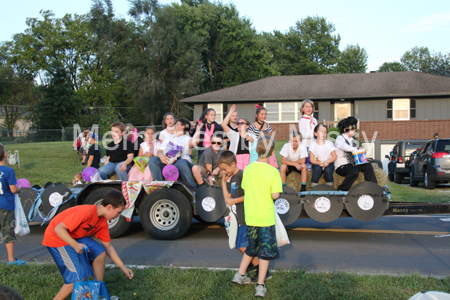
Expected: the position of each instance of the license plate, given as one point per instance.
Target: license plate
(400, 165)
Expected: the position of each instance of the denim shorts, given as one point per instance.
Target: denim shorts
(262, 243)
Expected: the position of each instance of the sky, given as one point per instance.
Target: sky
(386, 29)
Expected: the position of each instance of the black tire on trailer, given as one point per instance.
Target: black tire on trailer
(426, 180)
(412, 182)
(117, 226)
(166, 214)
(398, 178)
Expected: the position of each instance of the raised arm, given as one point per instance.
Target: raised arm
(226, 121)
(196, 138)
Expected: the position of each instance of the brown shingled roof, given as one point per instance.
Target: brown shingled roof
(332, 86)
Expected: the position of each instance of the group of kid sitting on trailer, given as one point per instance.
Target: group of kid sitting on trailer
(307, 150)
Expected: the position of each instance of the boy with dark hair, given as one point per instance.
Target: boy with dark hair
(119, 154)
(7, 205)
(207, 165)
(70, 231)
(7, 293)
(94, 152)
(234, 196)
(262, 184)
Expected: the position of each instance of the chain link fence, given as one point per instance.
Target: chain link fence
(54, 135)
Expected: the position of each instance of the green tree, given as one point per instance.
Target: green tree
(60, 106)
(392, 67)
(310, 47)
(108, 116)
(420, 59)
(160, 64)
(440, 64)
(233, 52)
(353, 60)
(17, 92)
(417, 59)
(66, 40)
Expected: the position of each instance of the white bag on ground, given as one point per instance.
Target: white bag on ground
(280, 232)
(21, 228)
(231, 226)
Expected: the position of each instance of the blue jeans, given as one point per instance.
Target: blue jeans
(110, 168)
(318, 170)
(184, 168)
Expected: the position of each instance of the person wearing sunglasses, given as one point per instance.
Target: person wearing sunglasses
(241, 141)
(207, 165)
(345, 164)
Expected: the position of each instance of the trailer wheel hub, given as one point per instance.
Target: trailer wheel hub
(164, 214)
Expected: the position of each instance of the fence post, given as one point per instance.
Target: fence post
(63, 136)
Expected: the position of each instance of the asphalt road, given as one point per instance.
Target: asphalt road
(389, 245)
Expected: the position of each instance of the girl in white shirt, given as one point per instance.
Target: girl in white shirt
(306, 125)
(147, 148)
(169, 126)
(322, 155)
(184, 162)
(345, 164)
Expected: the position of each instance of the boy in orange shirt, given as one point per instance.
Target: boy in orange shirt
(70, 231)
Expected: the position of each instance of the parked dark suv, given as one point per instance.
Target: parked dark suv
(432, 164)
(399, 162)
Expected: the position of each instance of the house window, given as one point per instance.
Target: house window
(389, 109)
(219, 111)
(273, 112)
(400, 109)
(316, 110)
(288, 112)
(412, 108)
(342, 110)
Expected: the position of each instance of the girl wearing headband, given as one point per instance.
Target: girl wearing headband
(261, 127)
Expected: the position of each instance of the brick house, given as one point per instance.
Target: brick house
(390, 106)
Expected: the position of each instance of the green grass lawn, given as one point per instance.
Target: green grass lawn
(43, 162)
(44, 281)
(408, 194)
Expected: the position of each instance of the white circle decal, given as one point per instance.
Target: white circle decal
(281, 206)
(365, 202)
(55, 199)
(208, 204)
(322, 204)
(233, 208)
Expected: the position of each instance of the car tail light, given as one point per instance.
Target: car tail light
(441, 173)
(400, 159)
(439, 154)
